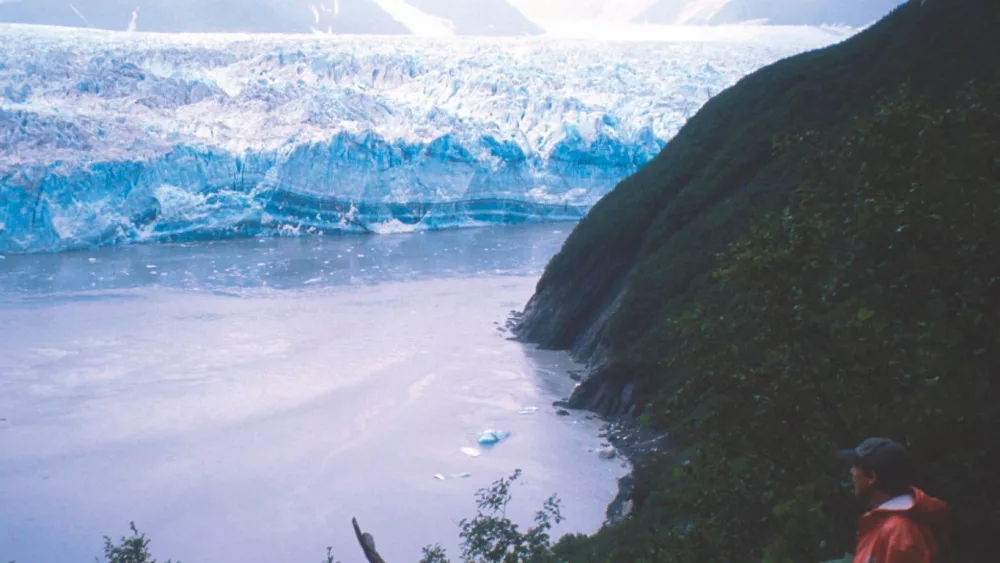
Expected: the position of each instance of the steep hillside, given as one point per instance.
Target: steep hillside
(812, 260)
(634, 258)
(776, 12)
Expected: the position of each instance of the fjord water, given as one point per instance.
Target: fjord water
(241, 400)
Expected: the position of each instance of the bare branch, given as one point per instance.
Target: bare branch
(367, 544)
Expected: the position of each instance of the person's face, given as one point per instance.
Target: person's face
(863, 480)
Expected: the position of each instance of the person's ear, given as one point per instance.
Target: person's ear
(862, 475)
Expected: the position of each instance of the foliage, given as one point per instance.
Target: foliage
(763, 402)
(329, 556)
(869, 306)
(658, 231)
(491, 537)
(434, 554)
(131, 549)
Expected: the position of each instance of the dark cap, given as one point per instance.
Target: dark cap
(889, 459)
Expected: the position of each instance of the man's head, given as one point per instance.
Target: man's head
(880, 467)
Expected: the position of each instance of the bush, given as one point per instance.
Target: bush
(131, 549)
(869, 306)
(491, 537)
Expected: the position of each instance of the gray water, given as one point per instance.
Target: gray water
(242, 400)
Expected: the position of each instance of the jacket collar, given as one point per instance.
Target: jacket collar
(900, 503)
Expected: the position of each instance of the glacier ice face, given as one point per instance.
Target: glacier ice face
(111, 138)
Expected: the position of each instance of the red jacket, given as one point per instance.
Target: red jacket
(908, 532)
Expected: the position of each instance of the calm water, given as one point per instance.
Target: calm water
(242, 400)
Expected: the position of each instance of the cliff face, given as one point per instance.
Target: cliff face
(643, 249)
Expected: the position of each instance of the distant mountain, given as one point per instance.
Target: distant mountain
(479, 17)
(252, 16)
(777, 12)
(468, 17)
(614, 11)
(425, 17)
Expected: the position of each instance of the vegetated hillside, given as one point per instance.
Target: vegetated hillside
(658, 232)
(776, 12)
(866, 303)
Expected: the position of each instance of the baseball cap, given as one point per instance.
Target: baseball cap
(888, 458)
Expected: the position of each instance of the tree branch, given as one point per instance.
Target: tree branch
(367, 544)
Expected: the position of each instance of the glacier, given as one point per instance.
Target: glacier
(113, 138)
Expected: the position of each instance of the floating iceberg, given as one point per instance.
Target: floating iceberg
(492, 437)
(443, 477)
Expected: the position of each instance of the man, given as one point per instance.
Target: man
(903, 524)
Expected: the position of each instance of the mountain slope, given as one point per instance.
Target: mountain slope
(686, 204)
(777, 12)
(635, 288)
(258, 16)
(617, 11)
(470, 17)
(479, 17)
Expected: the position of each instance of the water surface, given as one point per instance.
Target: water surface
(242, 400)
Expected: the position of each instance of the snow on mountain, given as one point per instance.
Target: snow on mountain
(479, 17)
(612, 11)
(854, 13)
(111, 138)
(681, 12)
(428, 17)
(166, 16)
(420, 17)
(416, 21)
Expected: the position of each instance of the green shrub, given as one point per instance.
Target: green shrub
(869, 305)
(130, 549)
(491, 537)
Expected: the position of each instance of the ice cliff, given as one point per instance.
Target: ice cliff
(109, 138)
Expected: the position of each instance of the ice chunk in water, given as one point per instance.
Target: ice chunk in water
(443, 477)
(491, 437)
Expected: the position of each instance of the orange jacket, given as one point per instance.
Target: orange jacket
(907, 532)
